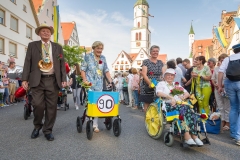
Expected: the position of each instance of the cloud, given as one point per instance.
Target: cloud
(113, 29)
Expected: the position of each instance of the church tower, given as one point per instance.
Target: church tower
(140, 33)
(191, 39)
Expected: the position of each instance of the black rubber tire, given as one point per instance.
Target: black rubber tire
(108, 123)
(25, 113)
(89, 129)
(79, 124)
(168, 139)
(117, 127)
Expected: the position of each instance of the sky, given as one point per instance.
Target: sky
(111, 21)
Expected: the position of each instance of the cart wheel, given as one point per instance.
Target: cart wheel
(89, 129)
(154, 121)
(117, 127)
(168, 139)
(25, 113)
(79, 124)
(108, 123)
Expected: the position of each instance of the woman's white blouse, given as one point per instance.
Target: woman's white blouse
(164, 88)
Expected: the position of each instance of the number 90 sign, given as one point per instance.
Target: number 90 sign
(105, 104)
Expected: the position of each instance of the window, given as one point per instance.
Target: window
(2, 16)
(12, 49)
(14, 24)
(121, 67)
(24, 8)
(53, 3)
(1, 46)
(52, 17)
(117, 62)
(47, 12)
(136, 36)
(199, 47)
(138, 24)
(139, 62)
(116, 67)
(122, 55)
(199, 53)
(127, 67)
(140, 36)
(29, 32)
(122, 62)
(73, 35)
(141, 56)
(126, 62)
(13, 1)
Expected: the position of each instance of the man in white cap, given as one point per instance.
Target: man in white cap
(44, 70)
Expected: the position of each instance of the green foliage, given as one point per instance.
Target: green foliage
(73, 54)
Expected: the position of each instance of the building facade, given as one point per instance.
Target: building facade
(44, 10)
(18, 21)
(227, 24)
(140, 33)
(202, 48)
(70, 33)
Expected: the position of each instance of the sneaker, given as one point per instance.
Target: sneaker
(190, 142)
(237, 142)
(77, 108)
(95, 129)
(198, 142)
(128, 106)
(6, 105)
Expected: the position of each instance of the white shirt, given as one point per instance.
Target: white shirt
(1, 89)
(120, 82)
(130, 77)
(225, 62)
(51, 58)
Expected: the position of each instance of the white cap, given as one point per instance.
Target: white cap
(170, 70)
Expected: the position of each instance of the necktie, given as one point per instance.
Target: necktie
(46, 47)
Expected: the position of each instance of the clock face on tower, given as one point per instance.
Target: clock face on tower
(138, 44)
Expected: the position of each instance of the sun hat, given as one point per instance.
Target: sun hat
(44, 26)
(170, 70)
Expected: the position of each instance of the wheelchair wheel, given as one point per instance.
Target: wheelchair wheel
(79, 124)
(108, 123)
(154, 121)
(168, 139)
(117, 127)
(25, 113)
(89, 129)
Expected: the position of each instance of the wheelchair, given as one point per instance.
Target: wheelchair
(103, 104)
(156, 120)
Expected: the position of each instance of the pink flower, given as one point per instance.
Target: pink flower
(176, 83)
(151, 73)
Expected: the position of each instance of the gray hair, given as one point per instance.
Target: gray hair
(154, 46)
(96, 44)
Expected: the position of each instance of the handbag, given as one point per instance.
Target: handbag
(212, 126)
(192, 97)
(148, 90)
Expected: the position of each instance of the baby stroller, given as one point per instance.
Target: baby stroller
(28, 105)
(62, 99)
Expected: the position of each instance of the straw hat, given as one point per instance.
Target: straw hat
(44, 26)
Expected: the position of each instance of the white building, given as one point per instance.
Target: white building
(140, 42)
(140, 34)
(70, 33)
(18, 21)
(44, 10)
(235, 37)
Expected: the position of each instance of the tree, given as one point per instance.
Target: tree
(73, 54)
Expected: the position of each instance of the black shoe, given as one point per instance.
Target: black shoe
(49, 137)
(35, 133)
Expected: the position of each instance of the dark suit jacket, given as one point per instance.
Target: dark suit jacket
(31, 71)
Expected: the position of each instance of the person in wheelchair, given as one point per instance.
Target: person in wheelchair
(167, 90)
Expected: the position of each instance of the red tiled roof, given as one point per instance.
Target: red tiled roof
(67, 28)
(133, 56)
(162, 57)
(37, 4)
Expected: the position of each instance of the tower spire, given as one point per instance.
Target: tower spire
(141, 2)
(191, 29)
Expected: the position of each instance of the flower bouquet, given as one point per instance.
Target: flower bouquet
(86, 85)
(177, 90)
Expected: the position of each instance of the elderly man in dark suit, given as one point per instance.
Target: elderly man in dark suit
(44, 70)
